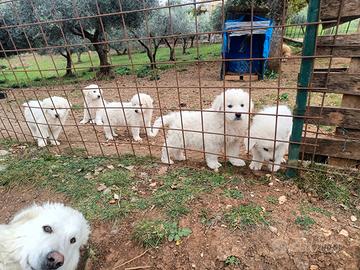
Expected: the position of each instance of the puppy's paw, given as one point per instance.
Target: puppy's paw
(180, 157)
(214, 166)
(54, 142)
(109, 138)
(255, 166)
(41, 143)
(237, 162)
(137, 139)
(99, 123)
(276, 167)
(83, 122)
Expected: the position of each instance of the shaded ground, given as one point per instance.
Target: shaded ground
(236, 218)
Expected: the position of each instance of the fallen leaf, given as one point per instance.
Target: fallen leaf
(112, 201)
(101, 187)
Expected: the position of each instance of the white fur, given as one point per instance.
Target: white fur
(263, 127)
(213, 121)
(93, 104)
(42, 120)
(133, 114)
(24, 245)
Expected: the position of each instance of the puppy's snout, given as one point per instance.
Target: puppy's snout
(271, 160)
(99, 96)
(238, 115)
(54, 260)
(136, 111)
(57, 115)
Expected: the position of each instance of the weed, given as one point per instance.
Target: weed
(272, 199)
(151, 233)
(143, 72)
(154, 76)
(232, 260)
(2, 81)
(77, 107)
(37, 79)
(308, 208)
(123, 71)
(245, 216)
(284, 97)
(234, 194)
(304, 222)
(271, 75)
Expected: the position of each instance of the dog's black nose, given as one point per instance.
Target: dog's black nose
(56, 115)
(271, 160)
(136, 111)
(238, 115)
(54, 260)
(99, 96)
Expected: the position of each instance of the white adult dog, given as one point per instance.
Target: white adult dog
(133, 114)
(263, 131)
(93, 104)
(45, 118)
(234, 103)
(43, 237)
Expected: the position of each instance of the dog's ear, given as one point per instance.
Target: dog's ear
(25, 215)
(218, 103)
(249, 142)
(149, 101)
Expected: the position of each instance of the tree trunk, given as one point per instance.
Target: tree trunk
(105, 68)
(67, 56)
(79, 57)
(192, 41)
(171, 48)
(275, 49)
(184, 45)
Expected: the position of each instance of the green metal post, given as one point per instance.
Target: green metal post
(306, 68)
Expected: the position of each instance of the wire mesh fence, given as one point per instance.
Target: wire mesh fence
(102, 57)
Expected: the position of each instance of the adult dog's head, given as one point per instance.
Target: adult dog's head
(141, 101)
(48, 237)
(92, 92)
(235, 103)
(56, 108)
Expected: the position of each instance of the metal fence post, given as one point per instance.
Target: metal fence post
(306, 68)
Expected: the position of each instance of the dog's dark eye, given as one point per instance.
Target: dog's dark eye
(72, 240)
(47, 229)
(266, 149)
(242, 105)
(229, 106)
(94, 91)
(52, 109)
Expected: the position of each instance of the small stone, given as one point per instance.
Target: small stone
(263, 208)
(326, 232)
(252, 195)
(112, 201)
(153, 184)
(3, 152)
(273, 229)
(313, 267)
(282, 199)
(193, 265)
(116, 197)
(101, 187)
(228, 206)
(202, 254)
(110, 167)
(88, 176)
(353, 218)
(276, 189)
(333, 218)
(344, 233)
(268, 175)
(270, 184)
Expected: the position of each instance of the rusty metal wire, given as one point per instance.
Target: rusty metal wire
(189, 90)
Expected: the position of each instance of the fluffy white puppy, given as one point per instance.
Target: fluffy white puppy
(234, 103)
(134, 114)
(263, 127)
(93, 104)
(46, 118)
(43, 237)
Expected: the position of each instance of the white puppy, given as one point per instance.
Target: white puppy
(46, 118)
(263, 127)
(42, 238)
(237, 106)
(93, 104)
(133, 114)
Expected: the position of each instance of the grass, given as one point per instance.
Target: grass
(151, 233)
(42, 71)
(232, 260)
(272, 199)
(304, 222)
(234, 194)
(306, 208)
(246, 216)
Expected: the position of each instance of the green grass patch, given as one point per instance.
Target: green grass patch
(234, 194)
(151, 233)
(304, 222)
(272, 199)
(306, 208)
(246, 216)
(232, 261)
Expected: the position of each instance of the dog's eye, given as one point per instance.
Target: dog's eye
(229, 106)
(52, 109)
(72, 240)
(94, 91)
(266, 149)
(242, 105)
(47, 229)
